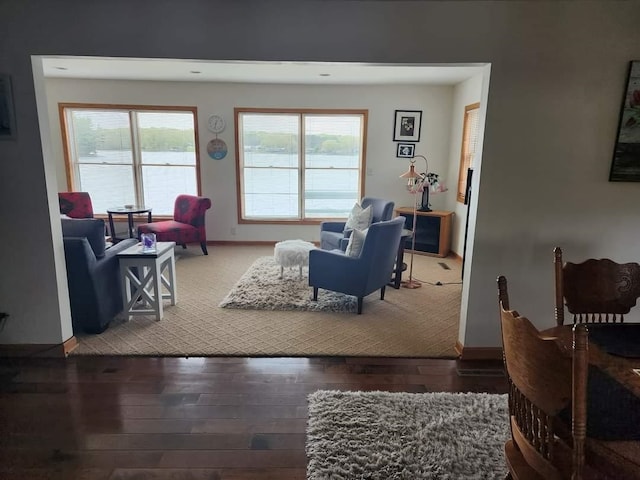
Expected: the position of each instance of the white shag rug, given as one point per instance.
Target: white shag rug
(382, 435)
(261, 288)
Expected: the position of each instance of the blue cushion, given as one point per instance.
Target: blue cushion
(91, 228)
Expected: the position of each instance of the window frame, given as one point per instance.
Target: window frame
(70, 166)
(465, 158)
(301, 161)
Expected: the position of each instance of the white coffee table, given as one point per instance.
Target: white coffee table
(144, 271)
(292, 253)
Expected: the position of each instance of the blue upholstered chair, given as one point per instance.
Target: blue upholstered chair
(358, 276)
(333, 235)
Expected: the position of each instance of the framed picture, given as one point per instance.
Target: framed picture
(407, 126)
(7, 119)
(406, 150)
(625, 166)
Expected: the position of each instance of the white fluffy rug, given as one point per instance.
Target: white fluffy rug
(261, 288)
(381, 435)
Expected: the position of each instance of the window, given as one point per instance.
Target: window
(469, 142)
(124, 155)
(299, 165)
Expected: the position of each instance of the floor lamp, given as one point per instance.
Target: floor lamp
(415, 184)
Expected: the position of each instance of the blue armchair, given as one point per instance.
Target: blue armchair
(333, 235)
(358, 276)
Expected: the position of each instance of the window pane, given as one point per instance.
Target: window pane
(330, 193)
(167, 138)
(334, 135)
(101, 136)
(270, 141)
(108, 185)
(163, 184)
(271, 193)
(269, 133)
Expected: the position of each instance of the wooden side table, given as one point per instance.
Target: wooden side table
(433, 231)
(145, 273)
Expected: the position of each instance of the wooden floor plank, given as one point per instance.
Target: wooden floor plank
(222, 418)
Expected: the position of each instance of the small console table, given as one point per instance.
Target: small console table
(433, 231)
(142, 276)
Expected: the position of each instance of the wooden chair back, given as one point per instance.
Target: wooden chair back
(595, 291)
(542, 382)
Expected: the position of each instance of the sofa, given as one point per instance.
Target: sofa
(93, 273)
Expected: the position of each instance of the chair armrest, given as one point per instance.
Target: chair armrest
(332, 226)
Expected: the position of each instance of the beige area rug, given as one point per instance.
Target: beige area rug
(262, 288)
(407, 323)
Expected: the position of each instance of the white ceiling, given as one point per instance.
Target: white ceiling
(256, 72)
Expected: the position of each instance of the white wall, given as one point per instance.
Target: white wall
(558, 73)
(219, 176)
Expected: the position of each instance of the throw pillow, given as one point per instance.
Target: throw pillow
(359, 218)
(356, 242)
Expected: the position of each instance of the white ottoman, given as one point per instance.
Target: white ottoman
(292, 253)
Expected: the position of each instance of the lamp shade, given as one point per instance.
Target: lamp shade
(411, 173)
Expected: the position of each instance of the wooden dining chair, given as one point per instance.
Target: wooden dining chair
(542, 383)
(595, 291)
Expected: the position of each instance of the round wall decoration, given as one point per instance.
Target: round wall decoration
(217, 149)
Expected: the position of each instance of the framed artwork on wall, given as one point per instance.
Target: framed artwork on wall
(407, 126)
(406, 150)
(7, 119)
(625, 166)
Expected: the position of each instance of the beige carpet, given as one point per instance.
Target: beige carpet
(407, 323)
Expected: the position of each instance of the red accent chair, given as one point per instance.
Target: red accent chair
(75, 204)
(187, 225)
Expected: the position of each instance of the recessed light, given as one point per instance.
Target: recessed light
(62, 68)
(196, 71)
(325, 74)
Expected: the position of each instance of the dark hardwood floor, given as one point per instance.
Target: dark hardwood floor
(131, 418)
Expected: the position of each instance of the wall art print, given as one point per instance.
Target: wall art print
(407, 126)
(625, 166)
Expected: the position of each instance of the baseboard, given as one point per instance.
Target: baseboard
(478, 353)
(39, 350)
(245, 242)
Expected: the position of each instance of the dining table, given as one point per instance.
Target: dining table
(613, 394)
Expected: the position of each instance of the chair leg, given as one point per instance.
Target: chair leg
(315, 294)
(382, 290)
(360, 305)
(204, 248)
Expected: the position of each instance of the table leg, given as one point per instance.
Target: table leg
(156, 279)
(112, 230)
(130, 220)
(397, 277)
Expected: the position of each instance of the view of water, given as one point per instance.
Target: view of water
(330, 192)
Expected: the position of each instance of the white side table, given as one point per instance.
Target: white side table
(292, 253)
(145, 272)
